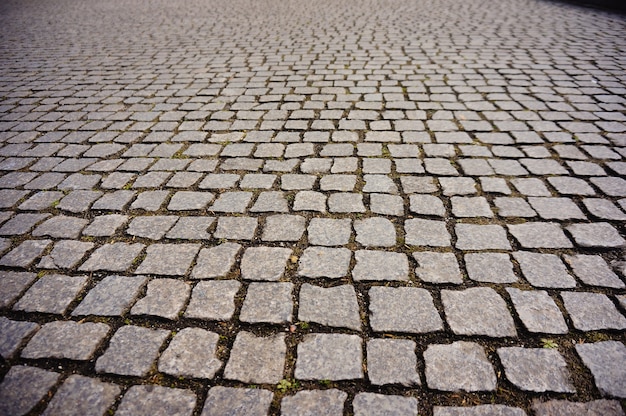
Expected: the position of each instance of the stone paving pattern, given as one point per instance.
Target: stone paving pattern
(322, 207)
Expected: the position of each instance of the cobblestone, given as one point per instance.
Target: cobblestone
(329, 357)
(256, 359)
(191, 354)
(335, 306)
(80, 395)
(157, 401)
(71, 340)
(315, 402)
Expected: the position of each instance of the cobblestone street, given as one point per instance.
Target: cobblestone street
(357, 207)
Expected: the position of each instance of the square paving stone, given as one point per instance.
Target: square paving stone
(434, 267)
(334, 306)
(65, 255)
(387, 204)
(267, 302)
(565, 408)
(378, 183)
(599, 234)
(592, 311)
(264, 263)
(420, 232)
(538, 311)
(25, 254)
(13, 334)
(513, 207)
(236, 228)
(152, 227)
(213, 300)
(380, 265)
(115, 201)
(536, 369)
(481, 410)
(427, 205)
(544, 270)
(116, 257)
(344, 183)
(215, 261)
(168, 259)
(392, 361)
(329, 357)
(12, 285)
(78, 201)
(81, 395)
(189, 200)
(375, 232)
(403, 309)
(164, 298)
(61, 226)
(52, 293)
(329, 231)
(235, 202)
(470, 207)
(458, 186)
(112, 296)
(40, 200)
(150, 200)
(105, 225)
(477, 311)
(601, 208)
(540, 235)
(344, 202)
(314, 402)
(191, 354)
(283, 228)
(237, 402)
(602, 359)
(556, 208)
(150, 400)
(191, 228)
(460, 366)
(219, 181)
(490, 267)
(419, 185)
(257, 359)
(70, 340)
(332, 263)
(23, 388)
(374, 404)
(270, 201)
(132, 351)
(22, 224)
(481, 237)
(593, 271)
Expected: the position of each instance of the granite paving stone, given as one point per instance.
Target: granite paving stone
(189, 200)
(329, 357)
(371, 404)
(268, 302)
(152, 227)
(317, 262)
(234, 202)
(78, 201)
(536, 369)
(115, 257)
(459, 366)
(314, 402)
(392, 361)
(334, 306)
(61, 226)
(153, 400)
(556, 208)
(191, 353)
(537, 311)
(544, 270)
(481, 237)
(601, 208)
(387, 204)
(257, 359)
(464, 207)
(71, 340)
(51, 293)
(592, 311)
(593, 270)
(490, 267)
(477, 311)
(22, 223)
(565, 407)
(114, 201)
(480, 410)
(345, 202)
(540, 235)
(168, 259)
(13, 334)
(329, 231)
(601, 359)
(112, 296)
(427, 205)
(236, 228)
(23, 387)
(403, 309)
(429, 233)
(65, 254)
(149, 200)
(600, 234)
(283, 228)
(191, 228)
(216, 261)
(310, 201)
(434, 267)
(270, 201)
(132, 351)
(13, 284)
(380, 265)
(237, 401)
(213, 300)
(375, 232)
(80, 395)
(264, 263)
(164, 298)
(25, 254)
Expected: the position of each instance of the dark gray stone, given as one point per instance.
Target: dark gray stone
(191, 354)
(65, 255)
(150, 400)
(22, 224)
(12, 285)
(61, 227)
(111, 297)
(23, 387)
(71, 340)
(237, 402)
(13, 334)
(52, 293)
(105, 225)
(81, 395)
(25, 254)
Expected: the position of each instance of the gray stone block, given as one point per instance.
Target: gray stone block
(52, 293)
(268, 302)
(403, 309)
(481, 237)
(71, 340)
(566, 408)
(332, 263)
(264, 263)
(112, 296)
(23, 388)
(435, 267)
(329, 357)
(490, 267)
(215, 261)
(237, 402)
(600, 234)
(375, 232)
(81, 395)
(12, 285)
(334, 306)
(538, 311)
(314, 402)
(213, 300)
(544, 270)
(257, 359)
(115, 257)
(168, 259)
(392, 361)
(592, 311)
(374, 404)
(164, 298)
(481, 410)
(150, 400)
(536, 369)
(602, 359)
(191, 354)
(13, 334)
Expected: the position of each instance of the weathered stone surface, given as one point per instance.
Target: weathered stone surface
(544, 270)
(428, 233)
(267, 302)
(538, 311)
(324, 262)
(540, 235)
(602, 358)
(392, 361)
(264, 263)
(191, 228)
(345, 202)
(132, 351)
(481, 410)
(380, 265)
(236, 228)
(556, 208)
(215, 261)
(237, 402)
(213, 300)
(149, 400)
(105, 225)
(593, 270)
(23, 387)
(191, 354)
(112, 296)
(71, 340)
(25, 254)
(12, 285)
(61, 226)
(115, 257)
(436, 267)
(334, 306)
(329, 357)
(481, 237)
(257, 359)
(403, 309)
(164, 298)
(371, 404)
(314, 402)
(329, 232)
(536, 369)
(490, 267)
(168, 259)
(81, 395)
(283, 228)
(599, 234)
(52, 293)
(592, 311)
(65, 254)
(566, 408)
(13, 334)
(458, 366)
(375, 232)
(477, 311)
